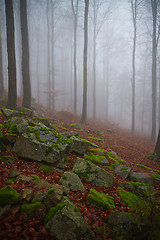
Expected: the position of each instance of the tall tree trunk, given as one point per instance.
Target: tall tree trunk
(1, 70)
(134, 19)
(94, 60)
(75, 15)
(154, 68)
(49, 57)
(156, 154)
(84, 109)
(52, 56)
(25, 56)
(12, 83)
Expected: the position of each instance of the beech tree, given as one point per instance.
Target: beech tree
(156, 154)
(84, 109)
(1, 70)
(75, 21)
(155, 37)
(12, 83)
(25, 56)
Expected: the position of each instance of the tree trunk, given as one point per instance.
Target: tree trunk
(156, 153)
(1, 70)
(12, 83)
(134, 19)
(94, 61)
(84, 109)
(75, 15)
(154, 68)
(25, 56)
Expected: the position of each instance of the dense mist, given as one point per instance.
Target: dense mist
(121, 77)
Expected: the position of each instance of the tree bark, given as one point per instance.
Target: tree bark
(156, 154)
(12, 83)
(25, 56)
(75, 15)
(154, 68)
(134, 19)
(1, 70)
(84, 109)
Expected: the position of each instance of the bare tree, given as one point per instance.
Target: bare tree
(84, 109)
(155, 37)
(25, 56)
(75, 21)
(12, 83)
(156, 154)
(134, 20)
(97, 25)
(1, 70)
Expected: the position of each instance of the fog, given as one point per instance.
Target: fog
(51, 54)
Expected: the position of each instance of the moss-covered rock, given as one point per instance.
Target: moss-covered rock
(53, 211)
(100, 200)
(8, 195)
(36, 209)
(72, 181)
(130, 199)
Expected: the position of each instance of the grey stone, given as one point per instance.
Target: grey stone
(27, 195)
(37, 151)
(53, 197)
(128, 226)
(39, 197)
(14, 174)
(78, 146)
(68, 224)
(122, 171)
(72, 181)
(24, 178)
(92, 173)
(20, 123)
(4, 210)
(41, 184)
(70, 134)
(141, 177)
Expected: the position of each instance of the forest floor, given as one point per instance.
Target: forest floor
(133, 149)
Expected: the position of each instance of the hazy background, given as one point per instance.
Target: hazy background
(114, 43)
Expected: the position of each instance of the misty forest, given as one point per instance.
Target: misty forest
(80, 119)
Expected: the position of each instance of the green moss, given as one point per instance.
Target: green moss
(97, 150)
(111, 167)
(53, 211)
(148, 168)
(95, 139)
(114, 157)
(30, 207)
(64, 177)
(99, 132)
(77, 126)
(45, 168)
(95, 158)
(130, 199)
(86, 172)
(10, 180)
(100, 200)
(50, 191)
(5, 158)
(154, 175)
(138, 184)
(35, 177)
(8, 196)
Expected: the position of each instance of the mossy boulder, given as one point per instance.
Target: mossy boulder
(66, 222)
(131, 200)
(96, 159)
(20, 124)
(100, 200)
(141, 177)
(122, 171)
(92, 173)
(36, 209)
(79, 146)
(72, 181)
(8, 195)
